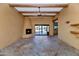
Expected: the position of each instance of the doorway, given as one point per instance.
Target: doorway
(55, 26)
(41, 29)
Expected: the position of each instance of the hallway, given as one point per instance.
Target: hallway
(39, 46)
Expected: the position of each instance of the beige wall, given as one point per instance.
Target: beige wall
(71, 13)
(11, 25)
(29, 22)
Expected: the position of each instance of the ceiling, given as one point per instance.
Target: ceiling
(39, 9)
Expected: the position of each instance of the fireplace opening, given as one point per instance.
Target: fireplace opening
(28, 31)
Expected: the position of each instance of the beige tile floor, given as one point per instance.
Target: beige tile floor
(39, 46)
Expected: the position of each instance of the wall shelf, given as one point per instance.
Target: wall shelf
(74, 32)
(75, 24)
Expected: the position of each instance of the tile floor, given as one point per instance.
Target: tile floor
(39, 46)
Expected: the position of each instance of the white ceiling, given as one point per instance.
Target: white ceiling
(39, 9)
(33, 9)
(26, 9)
(50, 9)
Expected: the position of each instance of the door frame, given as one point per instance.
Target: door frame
(53, 26)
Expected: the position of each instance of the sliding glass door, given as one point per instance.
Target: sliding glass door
(41, 29)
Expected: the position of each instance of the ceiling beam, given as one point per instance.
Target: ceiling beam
(38, 5)
(37, 12)
(39, 16)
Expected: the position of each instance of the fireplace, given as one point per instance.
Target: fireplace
(28, 31)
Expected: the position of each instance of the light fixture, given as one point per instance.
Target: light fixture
(39, 12)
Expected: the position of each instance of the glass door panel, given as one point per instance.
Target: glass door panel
(44, 29)
(41, 29)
